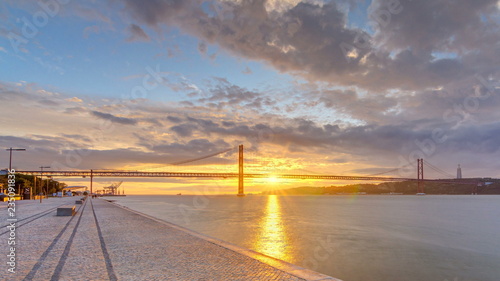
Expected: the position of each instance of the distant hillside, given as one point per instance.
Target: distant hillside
(489, 186)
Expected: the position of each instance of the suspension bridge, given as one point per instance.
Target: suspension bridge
(241, 175)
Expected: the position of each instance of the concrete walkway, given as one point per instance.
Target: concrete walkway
(106, 242)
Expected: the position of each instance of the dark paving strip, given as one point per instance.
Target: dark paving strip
(64, 256)
(42, 214)
(37, 266)
(109, 265)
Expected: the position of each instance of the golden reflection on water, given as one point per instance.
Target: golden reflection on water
(272, 238)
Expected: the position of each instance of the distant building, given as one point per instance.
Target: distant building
(459, 172)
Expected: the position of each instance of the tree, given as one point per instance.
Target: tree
(23, 183)
(3, 182)
(61, 186)
(27, 181)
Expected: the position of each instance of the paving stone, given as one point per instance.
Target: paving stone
(106, 242)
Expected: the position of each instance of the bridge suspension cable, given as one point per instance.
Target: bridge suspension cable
(438, 170)
(390, 171)
(166, 165)
(201, 158)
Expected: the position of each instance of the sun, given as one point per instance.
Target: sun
(273, 179)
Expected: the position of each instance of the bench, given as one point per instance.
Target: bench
(79, 202)
(66, 210)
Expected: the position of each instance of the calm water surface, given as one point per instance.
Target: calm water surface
(452, 238)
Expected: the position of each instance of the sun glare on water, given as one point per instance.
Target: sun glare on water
(272, 239)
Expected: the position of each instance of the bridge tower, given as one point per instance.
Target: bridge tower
(420, 176)
(459, 172)
(91, 181)
(240, 171)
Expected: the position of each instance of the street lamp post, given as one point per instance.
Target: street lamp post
(10, 159)
(41, 180)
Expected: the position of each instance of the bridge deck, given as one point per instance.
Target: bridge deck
(120, 174)
(106, 242)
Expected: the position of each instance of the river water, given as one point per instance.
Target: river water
(392, 237)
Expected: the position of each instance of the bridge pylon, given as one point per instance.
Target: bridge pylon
(91, 181)
(420, 177)
(241, 175)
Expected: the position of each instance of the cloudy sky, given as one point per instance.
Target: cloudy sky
(350, 87)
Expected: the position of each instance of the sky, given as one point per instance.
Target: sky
(347, 87)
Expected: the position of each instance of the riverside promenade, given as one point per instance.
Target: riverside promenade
(104, 241)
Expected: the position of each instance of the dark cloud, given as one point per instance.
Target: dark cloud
(444, 25)
(115, 119)
(174, 119)
(137, 34)
(314, 41)
(77, 137)
(75, 110)
(371, 109)
(228, 124)
(247, 70)
(183, 130)
(226, 95)
(472, 101)
(195, 147)
(44, 149)
(34, 142)
(14, 93)
(481, 140)
(181, 151)
(47, 102)
(202, 48)
(67, 152)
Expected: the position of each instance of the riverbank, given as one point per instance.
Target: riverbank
(479, 186)
(104, 241)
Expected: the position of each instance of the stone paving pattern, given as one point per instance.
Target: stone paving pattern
(49, 247)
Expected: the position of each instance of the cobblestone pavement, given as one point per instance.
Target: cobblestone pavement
(106, 242)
